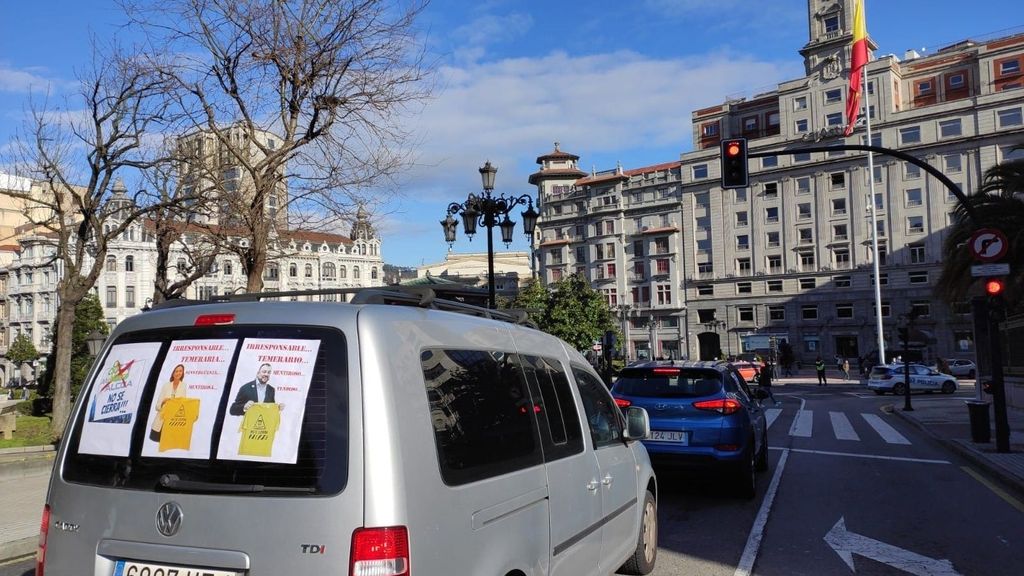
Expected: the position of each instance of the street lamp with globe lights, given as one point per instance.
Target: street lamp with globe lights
(486, 210)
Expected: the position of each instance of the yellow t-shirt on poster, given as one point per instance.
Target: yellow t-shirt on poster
(178, 415)
(258, 428)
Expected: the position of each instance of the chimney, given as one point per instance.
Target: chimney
(911, 54)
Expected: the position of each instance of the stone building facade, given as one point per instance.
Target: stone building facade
(696, 271)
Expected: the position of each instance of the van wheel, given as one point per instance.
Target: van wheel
(642, 561)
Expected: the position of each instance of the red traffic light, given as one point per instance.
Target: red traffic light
(733, 149)
(994, 286)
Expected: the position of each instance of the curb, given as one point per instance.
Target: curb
(30, 464)
(19, 549)
(1005, 477)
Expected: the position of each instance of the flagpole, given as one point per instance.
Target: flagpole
(874, 223)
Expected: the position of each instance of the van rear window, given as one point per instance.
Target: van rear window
(217, 409)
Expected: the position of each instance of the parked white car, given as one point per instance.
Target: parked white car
(890, 378)
(963, 368)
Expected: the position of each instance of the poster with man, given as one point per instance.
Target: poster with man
(114, 399)
(268, 400)
(188, 392)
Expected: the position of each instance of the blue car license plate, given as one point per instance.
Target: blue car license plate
(669, 436)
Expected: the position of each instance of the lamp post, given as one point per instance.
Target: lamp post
(94, 342)
(624, 311)
(485, 210)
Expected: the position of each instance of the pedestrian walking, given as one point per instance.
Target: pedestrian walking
(819, 366)
(765, 380)
(846, 369)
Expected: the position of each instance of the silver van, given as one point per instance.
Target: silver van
(392, 435)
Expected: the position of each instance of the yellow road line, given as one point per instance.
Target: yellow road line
(998, 491)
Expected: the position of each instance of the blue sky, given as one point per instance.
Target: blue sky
(611, 80)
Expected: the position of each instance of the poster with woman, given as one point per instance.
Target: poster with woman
(268, 400)
(188, 392)
(114, 399)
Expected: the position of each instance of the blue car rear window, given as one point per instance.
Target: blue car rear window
(686, 383)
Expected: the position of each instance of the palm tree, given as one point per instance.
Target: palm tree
(999, 204)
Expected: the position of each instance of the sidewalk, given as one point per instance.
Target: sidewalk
(24, 478)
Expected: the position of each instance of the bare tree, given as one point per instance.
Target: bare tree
(303, 97)
(73, 157)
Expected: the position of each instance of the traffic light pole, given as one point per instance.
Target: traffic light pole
(995, 311)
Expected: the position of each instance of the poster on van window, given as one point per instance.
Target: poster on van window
(268, 400)
(114, 399)
(191, 383)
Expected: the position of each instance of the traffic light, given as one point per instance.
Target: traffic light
(994, 286)
(734, 163)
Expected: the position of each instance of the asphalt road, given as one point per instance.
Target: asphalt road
(850, 489)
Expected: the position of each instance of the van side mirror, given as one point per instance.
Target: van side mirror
(638, 423)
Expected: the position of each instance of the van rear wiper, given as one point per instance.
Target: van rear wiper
(173, 482)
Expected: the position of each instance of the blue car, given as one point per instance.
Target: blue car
(703, 416)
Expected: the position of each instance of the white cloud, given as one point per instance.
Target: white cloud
(21, 81)
(489, 30)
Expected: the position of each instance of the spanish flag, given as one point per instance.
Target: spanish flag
(858, 58)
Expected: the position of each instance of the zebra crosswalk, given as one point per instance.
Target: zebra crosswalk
(838, 424)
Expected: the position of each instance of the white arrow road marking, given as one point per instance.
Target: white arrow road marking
(846, 544)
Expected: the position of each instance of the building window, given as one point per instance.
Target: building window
(293, 270)
(771, 214)
(911, 171)
(776, 312)
(924, 87)
(775, 264)
(1009, 67)
(129, 296)
(745, 313)
(706, 290)
(809, 312)
(956, 81)
(883, 279)
(111, 296)
(129, 264)
(329, 271)
(775, 285)
(806, 235)
(833, 96)
(803, 185)
(911, 135)
(841, 281)
(831, 24)
(741, 218)
(740, 195)
(839, 232)
(807, 284)
(744, 288)
(914, 197)
(355, 272)
(842, 257)
(1010, 117)
(917, 254)
(807, 260)
(844, 311)
(271, 272)
(664, 294)
(111, 264)
(227, 268)
(705, 268)
(950, 128)
(803, 210)
(834, 119)
(771, 190)
(700, 171)
(922, 308)
(886, 309)
(802, 157)
(800, 103)
(708, 130)
(837, 180)
(743, 242)
(661, 266)
(915, 224)
(838, 206)
(953, 163)
(704, 246)
(919, 277)
(880, 228)
(309, 270)
(772, 238)
(743, 266)
(769, 161)
(801, 126)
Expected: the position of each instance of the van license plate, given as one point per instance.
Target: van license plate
(129, 568)
(668, 436)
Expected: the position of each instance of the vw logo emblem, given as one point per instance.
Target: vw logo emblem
(168, 519)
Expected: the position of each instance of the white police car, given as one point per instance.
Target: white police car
(890, 378)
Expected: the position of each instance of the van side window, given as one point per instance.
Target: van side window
(556, 409)
(603, 415)
(481, 413)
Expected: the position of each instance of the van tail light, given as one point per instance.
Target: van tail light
(214, 319)
(44, 528)
(622, 403)
(721, 405)
(380, 552)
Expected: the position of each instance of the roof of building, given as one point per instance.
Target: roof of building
(556, 172)
(556, 154)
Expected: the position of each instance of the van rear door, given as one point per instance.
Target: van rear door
(222, 449)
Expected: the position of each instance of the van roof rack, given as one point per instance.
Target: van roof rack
(464, 300)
